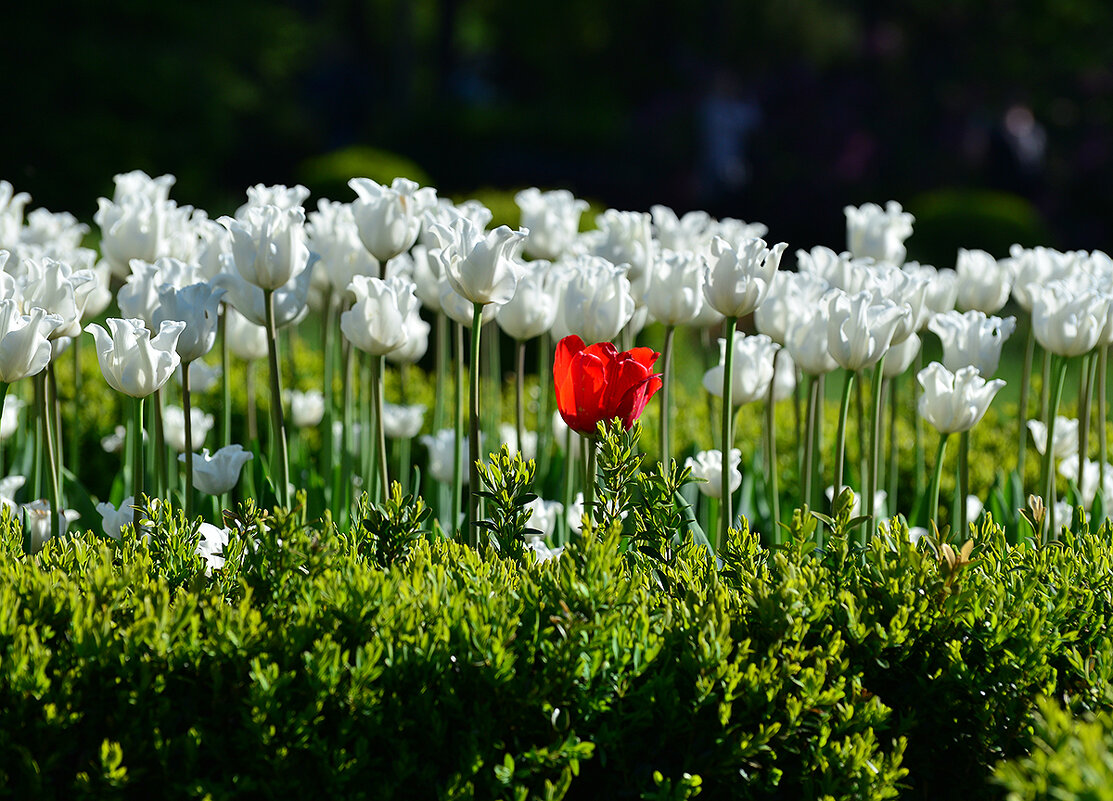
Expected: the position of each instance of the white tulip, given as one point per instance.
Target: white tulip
(376, 323)
(552, 220)
(532, 309)
(984, 283)
(859, 329)
(1065, 443)
(173, 423)
(708, 466)
(131, 360)
(972, 339)
(752, 369)
(738, 279)
(218, 473)
(955, 401)
(675, 292)
(878, 234)
(389, 218)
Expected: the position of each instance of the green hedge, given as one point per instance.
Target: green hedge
(305, 667)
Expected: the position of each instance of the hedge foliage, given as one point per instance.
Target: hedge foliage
(383, 662)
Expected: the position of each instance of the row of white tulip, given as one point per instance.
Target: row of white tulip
(375, 263)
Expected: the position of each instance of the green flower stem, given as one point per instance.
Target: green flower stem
(328, 344)
(404, 444)
(366, 429)
(917, 366)
(225, 380)
(863, 451)
(772, 480)
(55, 408)
(458, 431)
(894, 442)
(1085, 393)
(3, 395)
(814, 420)
(378, 365)
(712, 512)
(666, 381)
(798, 414)
(1045, 389)
(137, 461)
(342, 478)
(840, 437)
(589, 478)
(727, 434)
(440, 359)
(569, 483)
(491, 399)
(1047, 473)
(1022, 408)
(963, 481)
(159, 438)
(474, 510)
(186, 403)
(520, 397)
(76, 434)
(252, 403)
(279, 457)
(544, 410)
(936, 478)
(872, 474)
(37, 459)
(1103, 450)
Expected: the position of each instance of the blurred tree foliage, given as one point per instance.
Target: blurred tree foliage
(858, 101)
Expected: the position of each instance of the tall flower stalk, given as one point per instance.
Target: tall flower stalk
(666, 363)
(280, 459)
(474, 506)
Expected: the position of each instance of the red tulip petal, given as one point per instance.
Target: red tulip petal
(624, 373)
(588, 383)
(566, 350)
(635, 399)
(643, 356)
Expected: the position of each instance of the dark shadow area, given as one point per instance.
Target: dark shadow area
(778, 112)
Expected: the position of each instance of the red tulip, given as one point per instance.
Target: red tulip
(596, 382)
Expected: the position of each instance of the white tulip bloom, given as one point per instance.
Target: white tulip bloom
(878, 234)
(173, 423)
(972, 339)
(217, 473)
(752, 369)
(376, 323)
(1066, 321)
(198, 306)
(984, 283)
(595, 302)
(1065, 443)
(131, 360)
(859, 329)
(955, 401)
(482, 266)
(388, 218)
(532, 309)
(24, 341)
(708, 466)
(402, 422)
(552, 220)
(268, 246)
(675, 293)
(307, 409)
(738, 279)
